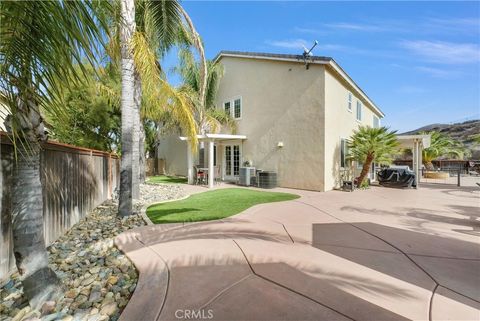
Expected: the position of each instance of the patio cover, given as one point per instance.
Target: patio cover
(416, 143)
(210, 138)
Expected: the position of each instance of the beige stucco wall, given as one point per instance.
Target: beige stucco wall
(174, 152)
(341, 123)
(281, 102)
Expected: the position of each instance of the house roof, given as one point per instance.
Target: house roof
(300, 59)
(217, 136)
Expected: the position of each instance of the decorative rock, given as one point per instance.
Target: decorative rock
(81, 299)
(95, 270)
(85, 291)
(107, 301)
(48, 307)
(71, 294)
(53, 316)
(94, 317)
(85, 305)
(8, 285)
(96, 275)
(88, 281)
(109, 309)
(112, 280)
(21, 314)
(95, 297)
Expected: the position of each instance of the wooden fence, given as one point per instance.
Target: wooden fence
(155, 166)
(75, 180)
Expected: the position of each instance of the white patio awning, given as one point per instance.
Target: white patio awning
(408, 141)
(416, 143)
(216, 136)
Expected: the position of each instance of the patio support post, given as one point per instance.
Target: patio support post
(211, 173)
(420, 161)
(189, 163)
(415, 161)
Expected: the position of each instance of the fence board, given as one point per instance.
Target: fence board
(75, 180)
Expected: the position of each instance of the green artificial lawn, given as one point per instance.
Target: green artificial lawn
(167, 179)
(213, 205)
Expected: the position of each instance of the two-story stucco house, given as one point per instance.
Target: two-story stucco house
(293, 117)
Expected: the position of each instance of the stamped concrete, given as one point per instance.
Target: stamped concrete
(378, 254)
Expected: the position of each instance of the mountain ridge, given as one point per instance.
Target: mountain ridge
(463, 132)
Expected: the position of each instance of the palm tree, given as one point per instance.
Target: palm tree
(41, 42)
(207, 116)
(127, 30)
(368, 145)
(441, 145)
(158, 23)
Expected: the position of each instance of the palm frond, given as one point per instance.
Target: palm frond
(379, 143)
(42, 41)
(158, 94)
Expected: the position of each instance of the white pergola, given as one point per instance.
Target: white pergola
(416, 143)
(210, 139)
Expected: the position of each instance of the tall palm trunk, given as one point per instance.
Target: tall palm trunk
(365, 169)
(141, 167)
(136, 136)
(40, 283)
(127, 29)
(429, 165)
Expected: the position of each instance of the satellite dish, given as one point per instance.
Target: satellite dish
(307, 53)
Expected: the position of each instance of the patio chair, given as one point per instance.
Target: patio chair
(200, 176)
(217, 175)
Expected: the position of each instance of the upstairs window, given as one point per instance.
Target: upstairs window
(237, 108)
(226, 107)
(376, 122)
(349, 101)
(359, 110)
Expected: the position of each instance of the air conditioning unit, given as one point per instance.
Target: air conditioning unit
(246, 173)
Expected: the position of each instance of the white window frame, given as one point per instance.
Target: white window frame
(229, 102)
(359, 111)
(349, 101)
(378, 121)
(233, 107)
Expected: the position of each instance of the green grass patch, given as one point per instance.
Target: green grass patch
(163, 179)
(213, 205)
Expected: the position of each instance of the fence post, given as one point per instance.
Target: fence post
(458, 177)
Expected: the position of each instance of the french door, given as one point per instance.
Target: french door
(231, 163)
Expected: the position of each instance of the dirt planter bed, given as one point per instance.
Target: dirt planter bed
(436, 175)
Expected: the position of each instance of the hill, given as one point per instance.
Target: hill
(462, 132)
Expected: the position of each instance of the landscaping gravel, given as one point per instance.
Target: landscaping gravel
(98, 278)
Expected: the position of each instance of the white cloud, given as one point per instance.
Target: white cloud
(444, 52)
(288, 44)
(354, 26)
(300, 43)
(453, 24)
(307, 30)
(435, 72)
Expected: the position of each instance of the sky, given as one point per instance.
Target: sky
(418, 61)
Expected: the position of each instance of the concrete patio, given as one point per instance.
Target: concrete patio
(377, 254)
